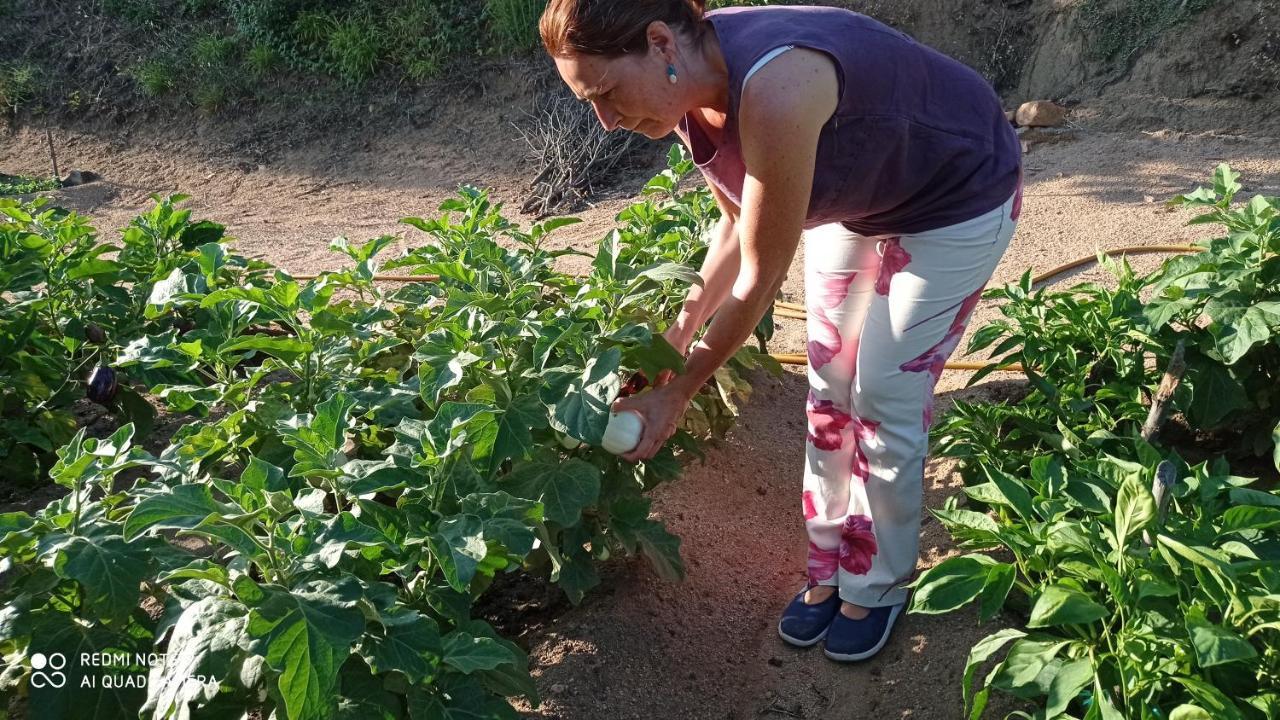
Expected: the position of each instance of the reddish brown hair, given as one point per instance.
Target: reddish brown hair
(614, 27)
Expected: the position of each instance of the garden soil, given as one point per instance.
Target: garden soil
(639, 647)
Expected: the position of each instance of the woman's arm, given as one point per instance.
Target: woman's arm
(719, 270)
(782, 113)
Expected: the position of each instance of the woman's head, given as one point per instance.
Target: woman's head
(616, 53)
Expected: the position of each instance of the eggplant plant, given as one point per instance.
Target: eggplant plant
(359, 466)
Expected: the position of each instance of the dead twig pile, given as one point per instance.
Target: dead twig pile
(573, 152)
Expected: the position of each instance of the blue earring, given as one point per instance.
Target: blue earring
(671, 73)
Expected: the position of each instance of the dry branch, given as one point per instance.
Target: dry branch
(572, 150)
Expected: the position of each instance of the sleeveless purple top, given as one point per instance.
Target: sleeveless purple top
(918, 140)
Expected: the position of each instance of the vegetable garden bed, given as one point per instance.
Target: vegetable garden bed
(358, 464)
(355, 465)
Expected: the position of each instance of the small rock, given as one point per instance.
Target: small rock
(761, 491)
(1040, 113)
(775, 661)
(1148, 199)
(558, 689)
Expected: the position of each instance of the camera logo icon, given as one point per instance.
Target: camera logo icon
(47, 670)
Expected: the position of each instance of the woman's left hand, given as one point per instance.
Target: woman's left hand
(661, 409)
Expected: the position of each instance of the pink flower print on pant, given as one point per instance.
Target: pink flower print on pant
(825, 423)
(893, 260)
(810, 509)
(833, 288)
(934, 359)
(822, 563)
(824, 337)
(863, 430)
(857, 544)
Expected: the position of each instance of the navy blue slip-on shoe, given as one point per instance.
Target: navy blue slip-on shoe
(803, 624)
(849, 640)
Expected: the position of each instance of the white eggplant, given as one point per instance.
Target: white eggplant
(623, 433)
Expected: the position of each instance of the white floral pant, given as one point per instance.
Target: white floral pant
(884, 316)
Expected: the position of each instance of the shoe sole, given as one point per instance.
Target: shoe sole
(802, 643)
(854, 657)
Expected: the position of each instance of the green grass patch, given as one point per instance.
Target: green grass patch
(514, 23)
(18, 85)
(22, 185)
(1118, 29)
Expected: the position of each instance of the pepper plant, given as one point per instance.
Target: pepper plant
(1139, 586)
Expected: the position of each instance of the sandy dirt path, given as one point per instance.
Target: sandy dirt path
(639, 647)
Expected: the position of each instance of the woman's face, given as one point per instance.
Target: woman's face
(630, 91)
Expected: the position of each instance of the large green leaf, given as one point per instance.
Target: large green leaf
(182, 507)
(1072, 678)
(973, 529)
(467, 653)
(72, 690)
(955, 582)
(458, 697)
(341, 532)
(1275, 441)
(978, 654)
(110, 571)
(198, 657)
(1013, 490)
(459, 423)
(441, 373)
(583, 411)
(1060, 605)
(1250, 517)
(577, 573)
(995, 591)
(514, 440)
(361, 477)
(1213, 700)
(263, 476)
(508, 679)
(1214, 392)
(305, 636)
(409, 643)
(458, 545)
(1135, 508)
(655, 356)
(1214, 644)
(563, 487)
(1239, 324)
(629, 522)
(318, 439)
(287, 349)
(1022, 669)
(507, 519)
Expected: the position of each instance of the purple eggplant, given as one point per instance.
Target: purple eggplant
(634, 384)
(103, 385)
(183, 325)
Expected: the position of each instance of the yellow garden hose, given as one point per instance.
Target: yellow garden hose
(797, 312)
